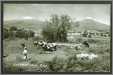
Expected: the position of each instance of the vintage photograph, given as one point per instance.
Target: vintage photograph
(56, 38)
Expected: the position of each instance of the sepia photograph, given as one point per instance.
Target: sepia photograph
(56, 38)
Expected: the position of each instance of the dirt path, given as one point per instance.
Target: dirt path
(67, 44)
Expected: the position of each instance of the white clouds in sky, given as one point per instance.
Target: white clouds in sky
(99, 12)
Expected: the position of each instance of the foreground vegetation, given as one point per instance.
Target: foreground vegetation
(62, 60)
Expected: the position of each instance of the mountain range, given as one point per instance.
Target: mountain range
(36, 25)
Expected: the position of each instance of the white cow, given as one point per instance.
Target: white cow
(78, 46)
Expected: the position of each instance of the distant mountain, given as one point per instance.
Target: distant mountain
(89, 24)
(36, 25)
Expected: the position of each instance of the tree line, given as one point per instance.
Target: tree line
(14, 32)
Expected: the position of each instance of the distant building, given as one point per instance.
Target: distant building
(71, 35)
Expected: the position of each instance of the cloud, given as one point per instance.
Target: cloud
(99, 12)
(27, 17)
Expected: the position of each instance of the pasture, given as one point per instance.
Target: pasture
(62, 60)
(58, 37)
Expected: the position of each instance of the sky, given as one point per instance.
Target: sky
(77, 12)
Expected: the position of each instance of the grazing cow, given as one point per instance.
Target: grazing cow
(78, 47)
(51, 46)
(86, 44)
(5, 55)
(92, 56)
(35, 43)
(42, 43)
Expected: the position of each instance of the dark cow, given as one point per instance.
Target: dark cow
(23, 45)
(86, 44)
(5, 55)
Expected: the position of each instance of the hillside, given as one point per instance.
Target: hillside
(34, 25)
(89, 24)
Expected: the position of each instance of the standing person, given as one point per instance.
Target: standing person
(25, 53)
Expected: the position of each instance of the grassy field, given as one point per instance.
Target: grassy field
(62, 60)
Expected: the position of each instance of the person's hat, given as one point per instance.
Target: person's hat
(25, 47)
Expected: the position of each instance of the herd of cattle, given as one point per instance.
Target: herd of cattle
(45, 45)
(53, 46)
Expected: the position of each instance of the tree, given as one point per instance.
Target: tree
(56, 28)
(13, 28)
(65, 25)
(28, 33)
(20, 33)
(5, 33)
